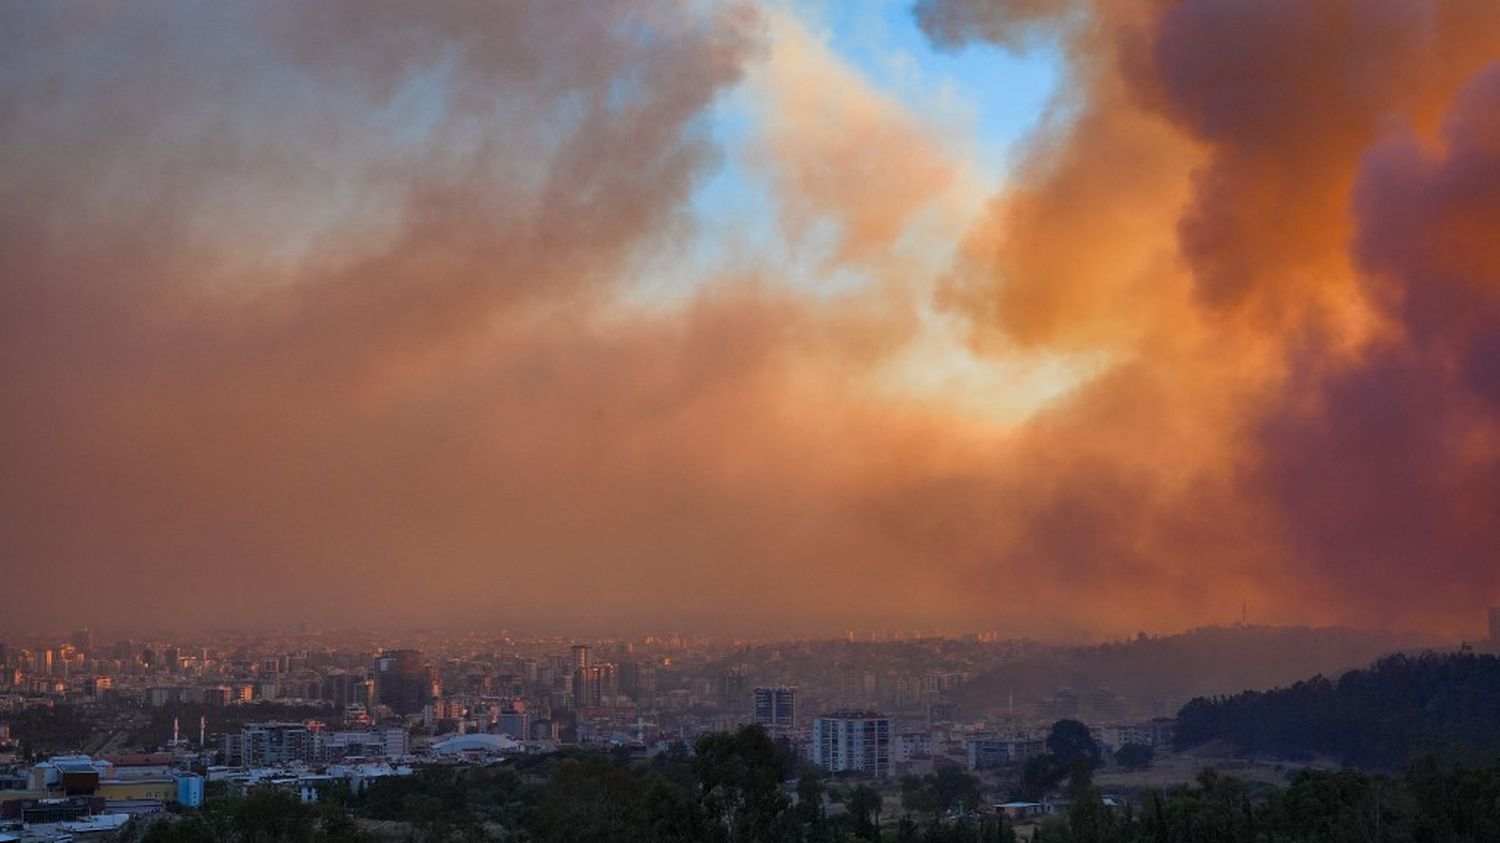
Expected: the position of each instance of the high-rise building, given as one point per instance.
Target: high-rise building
(852, 741)
(856, 686)
(945, 711)
(343, 688)
(1062, 705)
(775, 709)
(267, 744)
(404, 681)
(628, 675)
(595, 686)
(734, 691)
(578, 658)
(637, 680)
(82, 639)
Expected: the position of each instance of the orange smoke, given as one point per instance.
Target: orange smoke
(329, 314)
(1220, 215)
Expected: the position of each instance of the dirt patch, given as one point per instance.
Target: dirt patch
(1170, 770)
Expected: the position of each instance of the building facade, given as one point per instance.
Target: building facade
(775, 709)
(405, 681)
(852, 742)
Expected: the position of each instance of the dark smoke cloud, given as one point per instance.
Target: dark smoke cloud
(326, 312)
(1297, 262)
(1390, 473)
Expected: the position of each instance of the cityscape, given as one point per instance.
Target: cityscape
(98, 732)
(750, 421)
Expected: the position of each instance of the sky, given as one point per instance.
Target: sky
(762, 317)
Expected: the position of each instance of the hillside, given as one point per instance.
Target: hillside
(1380, 717)
(1201, 662)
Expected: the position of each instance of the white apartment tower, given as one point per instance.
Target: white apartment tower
(852, 741)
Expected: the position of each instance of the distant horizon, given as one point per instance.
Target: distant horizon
(861, 636)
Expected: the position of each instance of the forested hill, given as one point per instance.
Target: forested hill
(1209, 660)
(1380, 717)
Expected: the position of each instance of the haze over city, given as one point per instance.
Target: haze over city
(1059, 319)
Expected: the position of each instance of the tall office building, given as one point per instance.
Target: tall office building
(775, 709)
(734, 691)
(404, 681)
(595, 686)
(344, 688)
(578, 658)
(627, 675)
(852, 741)
(637, 680)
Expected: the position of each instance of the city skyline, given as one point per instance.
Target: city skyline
(1059, 320)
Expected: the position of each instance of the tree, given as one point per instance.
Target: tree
(271, 815)
(189, 829)
(739, 776)
(1039, 775)
(1070, 740)
(955, 788)
(810, 791)
(863, 803)
(589, 801)
(1089, 821)
(920, 796)
(939, 792)
(1135, 756)
(1381, 717)
(670, 815)
(1080, 778)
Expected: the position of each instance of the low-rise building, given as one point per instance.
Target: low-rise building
(984, 753)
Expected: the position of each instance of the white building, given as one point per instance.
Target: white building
(388, 742)
(909, 745)
(852, 741)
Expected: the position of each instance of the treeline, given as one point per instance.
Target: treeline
(1211, 659)
(49, 730)
(1381, 717)
(730, 796)
(1427, 805)
(731, 788)
(219, 719)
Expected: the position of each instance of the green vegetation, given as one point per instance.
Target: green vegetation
(1379, 718)
(731, 789)
(221, 718)
(1135, 756)
(1072, 754)
(949, 789)
(50, 730)
(728, 789)
(264, 816)
(1425, 806)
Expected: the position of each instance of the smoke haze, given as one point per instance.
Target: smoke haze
(354, 312)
